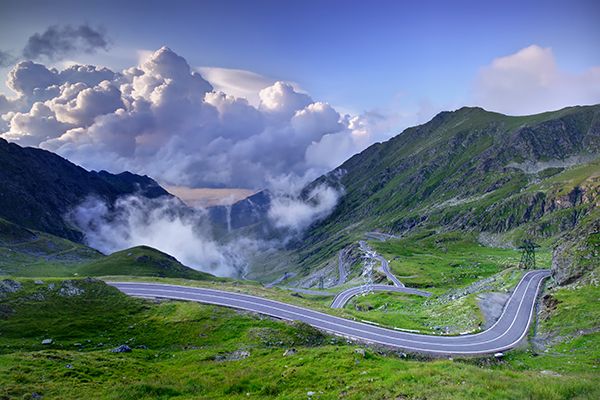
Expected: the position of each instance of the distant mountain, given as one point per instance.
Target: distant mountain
(247, 212)
(38, 187)
(467, 170)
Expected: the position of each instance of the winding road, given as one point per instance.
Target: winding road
(344, 297)
(506, 333)
(384, 264)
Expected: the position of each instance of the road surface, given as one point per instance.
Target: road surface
(506, 333)
(342, 298)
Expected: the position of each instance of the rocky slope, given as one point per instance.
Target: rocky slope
(468, 170)
(38, 187)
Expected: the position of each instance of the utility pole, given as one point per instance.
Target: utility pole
(527, 254)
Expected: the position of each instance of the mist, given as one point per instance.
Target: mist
(170, 226)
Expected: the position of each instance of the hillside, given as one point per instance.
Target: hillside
(188, 350)
(25, 252)
(39, 187)
(468, 170)
(141, 261)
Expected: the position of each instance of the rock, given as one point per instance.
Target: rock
(70, 288)
(289, 352)
(38, 282)
(51, 286)
(121, 349)
(9, 286)
(499, 355)
(69, 366)
(551, 373)
(47, 341)
(233, 356)
(360, 352)
(36, 395)
(142, 347)
(310, 393)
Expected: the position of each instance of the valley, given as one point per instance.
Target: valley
(411, 287)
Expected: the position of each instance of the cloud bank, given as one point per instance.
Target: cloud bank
(164, 119)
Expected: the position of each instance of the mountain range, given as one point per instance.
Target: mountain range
(507, 178)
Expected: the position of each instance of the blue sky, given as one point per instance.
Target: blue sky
(359, 55)
(323, 79)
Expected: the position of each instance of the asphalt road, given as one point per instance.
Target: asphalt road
(342, 298)
(506, 333)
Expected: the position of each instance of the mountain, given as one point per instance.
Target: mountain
(246, 212)
(468, 170)
(38, 187)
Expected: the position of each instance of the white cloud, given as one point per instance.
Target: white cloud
(166, 120)
(159, 223)
(530, 81)
(296, 213)
(237, 82)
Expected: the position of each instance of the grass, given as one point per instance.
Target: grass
(185, 340)
(437, 262)
(29, 253)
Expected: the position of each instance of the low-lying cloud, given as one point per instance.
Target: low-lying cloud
(296, 213)
(160, 223)
(168, 225)
(163, 224)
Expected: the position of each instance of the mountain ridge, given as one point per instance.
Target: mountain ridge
(40, 187)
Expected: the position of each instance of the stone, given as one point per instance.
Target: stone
(9, 286)
(233, 356)
(289, 352)
(360, 352)
(38, 282)
(69, 288)
(310, 393)
(47, 341)
(121, 349)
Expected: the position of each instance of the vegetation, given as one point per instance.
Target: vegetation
(187, 350)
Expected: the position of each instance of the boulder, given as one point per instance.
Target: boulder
(121, 349)
(289, 352)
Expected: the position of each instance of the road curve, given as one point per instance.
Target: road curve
(384, 264)
(344, 297)
(506, 333)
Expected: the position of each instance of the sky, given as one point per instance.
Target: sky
(253, 94)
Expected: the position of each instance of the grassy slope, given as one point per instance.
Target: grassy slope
(184, 339)
(141, 261)
(451, 173)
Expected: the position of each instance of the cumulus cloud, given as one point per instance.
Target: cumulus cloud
(237, 82)
(56, 42)
(164, 119)
(530, 81)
